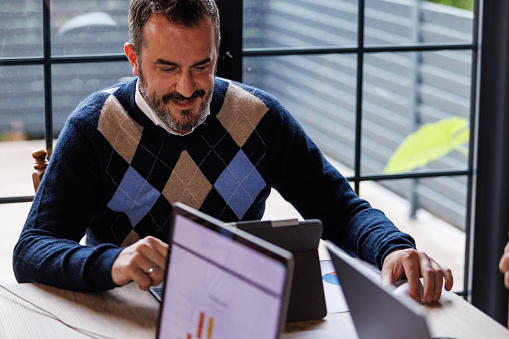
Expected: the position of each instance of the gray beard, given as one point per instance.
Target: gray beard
(165, 116)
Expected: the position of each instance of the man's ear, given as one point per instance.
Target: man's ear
(131, 56)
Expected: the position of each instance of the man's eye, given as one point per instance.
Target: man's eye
(202, 67)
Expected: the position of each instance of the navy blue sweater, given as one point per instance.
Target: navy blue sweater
(114, 176)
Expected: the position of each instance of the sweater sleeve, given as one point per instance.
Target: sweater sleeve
(48, 249)
(317, 190)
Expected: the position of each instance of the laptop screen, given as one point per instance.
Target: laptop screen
(375, 310)
(220, 284)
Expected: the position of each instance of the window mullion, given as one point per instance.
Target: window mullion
(359, 90)
(48, 103)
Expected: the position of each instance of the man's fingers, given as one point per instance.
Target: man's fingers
(142, 279)
(143, 262)
(504, 262)
(432, 280)
(439, 282)
(504, 265)
(156, 276)
(162, 247)
(410, 262)
(130, 266)
(154, 250)
(449, 279)
(435, 277)
(414, 265)
(157, 245)
(403, 263)
(392, 268)
(386, 275)
(147, 274)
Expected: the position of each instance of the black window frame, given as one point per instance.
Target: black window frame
(47, 60)
(483, 284)
(231, 6)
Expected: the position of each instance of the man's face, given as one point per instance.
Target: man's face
(176, 70)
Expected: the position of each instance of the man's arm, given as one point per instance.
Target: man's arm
(48, 249)
(318, 190)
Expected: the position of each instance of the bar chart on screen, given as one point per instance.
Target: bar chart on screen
(209, 303)
(218, 288)
(205, 328)
(201, 327)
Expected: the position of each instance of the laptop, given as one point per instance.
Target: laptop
(307, 300)
(221, 282)
(376, 311)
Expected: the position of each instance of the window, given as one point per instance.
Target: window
(361, 76)
(51, 58)
(378, 84)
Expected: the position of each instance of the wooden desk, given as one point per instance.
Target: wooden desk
(452, 317)
(127, 312)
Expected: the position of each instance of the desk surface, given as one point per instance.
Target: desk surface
(38, 311)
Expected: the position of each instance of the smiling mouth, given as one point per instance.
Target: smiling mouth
(182, 102)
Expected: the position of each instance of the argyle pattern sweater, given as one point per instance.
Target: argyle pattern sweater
(114, 176)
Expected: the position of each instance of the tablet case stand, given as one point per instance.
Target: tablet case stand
(307, 300)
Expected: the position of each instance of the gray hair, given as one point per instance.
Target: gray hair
(187, 13)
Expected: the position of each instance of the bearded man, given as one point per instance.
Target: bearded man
(177, 132)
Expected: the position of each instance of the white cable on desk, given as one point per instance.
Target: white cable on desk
(83, 331)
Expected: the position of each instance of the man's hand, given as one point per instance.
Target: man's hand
(143, 262)
(416, 264)
(504, 265)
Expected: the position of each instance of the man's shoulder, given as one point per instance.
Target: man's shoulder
(239, 97)
(243, 93)
(89, 110)
(241, 106)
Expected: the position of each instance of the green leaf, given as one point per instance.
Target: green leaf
(430, 142)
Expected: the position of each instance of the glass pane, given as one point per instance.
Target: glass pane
(74, 82)
(419, 21)
(416, 109)
(437, 224)
(21, 127)
(88, 27)
(21, 29)
(319, 91)
(299, 23)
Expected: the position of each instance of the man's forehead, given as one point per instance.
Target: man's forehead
(159, 29)
(179, 48)
(158, 21)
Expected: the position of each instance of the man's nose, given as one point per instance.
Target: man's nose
(185, 84)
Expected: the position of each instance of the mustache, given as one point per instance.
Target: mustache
(199, 93)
